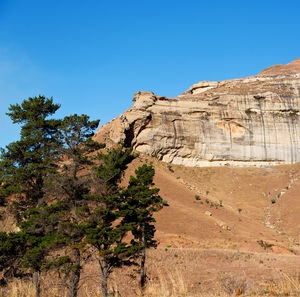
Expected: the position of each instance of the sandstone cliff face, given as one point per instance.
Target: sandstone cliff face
(250, 121)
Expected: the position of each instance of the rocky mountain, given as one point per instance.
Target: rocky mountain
(247, 121)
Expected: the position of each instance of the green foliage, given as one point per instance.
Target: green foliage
(60, 261)
(71, 188)
(141, 201)
(64, 264)
(39, 227)
(165, 203)
(34, 258)
(24, 167)
(25, 163)
(113, 163)
(12, 248)
(170, 168)
(67, 198)
(32, 112)
(101, 229)
(74, 131)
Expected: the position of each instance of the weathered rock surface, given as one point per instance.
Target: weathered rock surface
(290, 68)
(249, 121)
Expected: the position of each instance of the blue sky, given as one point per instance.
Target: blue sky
(91, 56)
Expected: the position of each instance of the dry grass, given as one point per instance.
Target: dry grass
(160, 286)
(227, 287)
(18, 289)
(285, 286)
(22, 288)
(173, 285)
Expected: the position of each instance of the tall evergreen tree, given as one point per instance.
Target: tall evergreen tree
(39, 231)
(71, 185)
(25, 163)
(103, 229)
(24, 166)
(141, 202)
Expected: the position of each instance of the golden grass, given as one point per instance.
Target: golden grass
(18, 289)
(285, 286)
(171, 285)
(161, 287)
(22, 288)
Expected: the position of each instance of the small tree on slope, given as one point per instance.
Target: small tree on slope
(141, 201)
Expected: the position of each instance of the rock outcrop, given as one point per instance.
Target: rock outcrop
(290, 68)
(249, 121)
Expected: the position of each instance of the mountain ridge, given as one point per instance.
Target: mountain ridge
(252, 121)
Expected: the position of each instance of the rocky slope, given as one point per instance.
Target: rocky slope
(249, 121)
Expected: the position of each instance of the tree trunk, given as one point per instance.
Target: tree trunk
(75, 276)
(143, 260)
(37, 285)
(104, 274)
(142, 270)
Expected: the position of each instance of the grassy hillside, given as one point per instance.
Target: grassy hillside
(227, 231)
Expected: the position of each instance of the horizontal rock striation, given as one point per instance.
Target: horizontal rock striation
(252, 121)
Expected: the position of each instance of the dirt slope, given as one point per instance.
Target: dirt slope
(257, 204)
(250, 242)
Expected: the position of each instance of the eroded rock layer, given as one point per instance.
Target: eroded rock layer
(248, 121)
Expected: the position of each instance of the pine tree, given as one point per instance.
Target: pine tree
(24, 166)
(25, 163)
(103, 231)
(71, 185)
(141, 202)
(39, 230)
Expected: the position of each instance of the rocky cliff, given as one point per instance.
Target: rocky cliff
(249, 121)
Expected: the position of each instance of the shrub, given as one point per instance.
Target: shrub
(170, 168)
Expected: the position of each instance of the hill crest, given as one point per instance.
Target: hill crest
(252, 121)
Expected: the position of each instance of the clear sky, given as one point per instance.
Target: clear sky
(91, 56)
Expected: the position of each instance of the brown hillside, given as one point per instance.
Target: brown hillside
(205, 248)
(248, 212)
